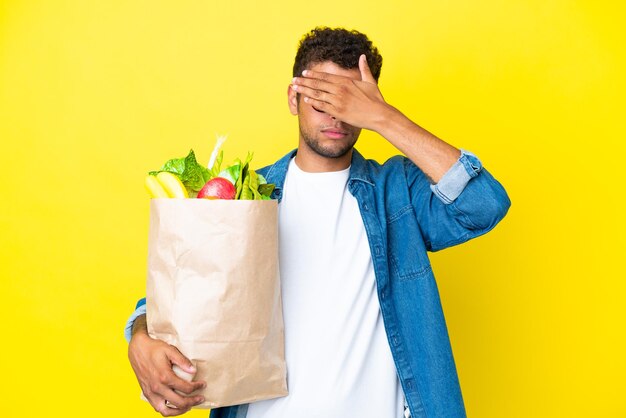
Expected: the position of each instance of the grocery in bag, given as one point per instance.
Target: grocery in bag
(213, 284)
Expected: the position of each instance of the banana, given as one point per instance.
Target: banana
(154, 188)
(172, 185)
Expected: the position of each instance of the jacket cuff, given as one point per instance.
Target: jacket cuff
(456, 178)
(140, 310)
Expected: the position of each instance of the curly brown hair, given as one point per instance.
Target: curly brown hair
(338, 45)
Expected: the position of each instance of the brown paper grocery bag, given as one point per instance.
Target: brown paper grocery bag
(213, 291)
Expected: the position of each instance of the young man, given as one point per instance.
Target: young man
(365, 333)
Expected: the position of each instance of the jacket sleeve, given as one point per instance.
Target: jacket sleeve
(466, 202)
(140, 309)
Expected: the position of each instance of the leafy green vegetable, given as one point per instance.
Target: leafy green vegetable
(238, 176)
(231, 173)
(243, 173)
(246, 193)
(254, 185)
(266, 190)
(192, 174)
(215, 170)
(261, 179)
(248, 183)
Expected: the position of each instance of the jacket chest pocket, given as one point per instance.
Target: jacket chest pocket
(407, 252)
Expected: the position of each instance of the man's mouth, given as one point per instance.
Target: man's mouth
(335, 133)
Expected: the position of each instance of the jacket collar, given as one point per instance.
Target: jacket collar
(359, 169)
(278, 171)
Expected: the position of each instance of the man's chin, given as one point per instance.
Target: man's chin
(334, 150)
(329, 152)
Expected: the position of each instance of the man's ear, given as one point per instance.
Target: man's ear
(292, 99)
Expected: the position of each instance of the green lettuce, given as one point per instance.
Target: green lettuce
(231, 173)
(193, 175)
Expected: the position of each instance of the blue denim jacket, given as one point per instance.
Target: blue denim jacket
(405, 216)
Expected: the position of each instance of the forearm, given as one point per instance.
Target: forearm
(431, 154)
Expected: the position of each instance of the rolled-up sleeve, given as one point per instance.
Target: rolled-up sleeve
(140, 309)
(466, 202)
(456, 178)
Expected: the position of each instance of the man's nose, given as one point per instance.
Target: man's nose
(336, 122)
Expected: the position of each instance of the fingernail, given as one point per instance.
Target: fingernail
(295, 87)
(293, 80)
(305, 72)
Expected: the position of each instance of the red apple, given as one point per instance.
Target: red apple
(217, 188)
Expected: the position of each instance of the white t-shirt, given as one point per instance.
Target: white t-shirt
(339, 363)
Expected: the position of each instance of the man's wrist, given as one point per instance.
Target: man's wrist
(140, 326)
(139, 311)
(392, 123)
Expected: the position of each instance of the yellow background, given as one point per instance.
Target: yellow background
(95, 94)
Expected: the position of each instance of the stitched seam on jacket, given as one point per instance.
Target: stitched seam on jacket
(399, 214)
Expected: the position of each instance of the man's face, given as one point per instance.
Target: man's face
(321, 133)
